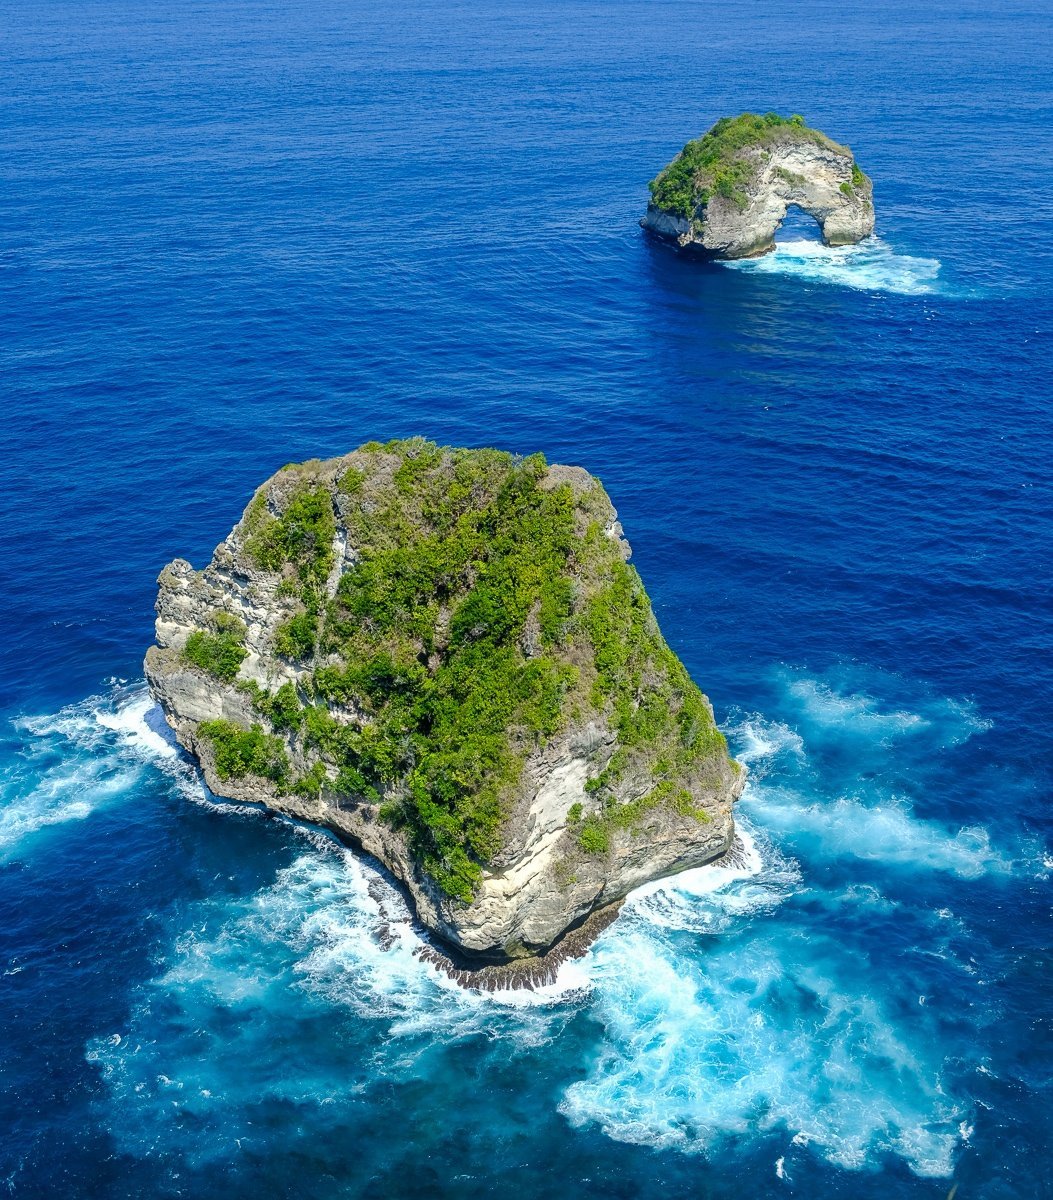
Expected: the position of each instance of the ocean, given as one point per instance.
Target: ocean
(238, 233)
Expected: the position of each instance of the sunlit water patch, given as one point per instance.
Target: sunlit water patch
(871, 266)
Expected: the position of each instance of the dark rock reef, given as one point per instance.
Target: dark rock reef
(444, 657)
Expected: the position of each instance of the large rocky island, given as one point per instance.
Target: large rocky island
(725, 194)
(444, 657)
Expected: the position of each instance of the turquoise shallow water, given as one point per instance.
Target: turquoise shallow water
(234, 235)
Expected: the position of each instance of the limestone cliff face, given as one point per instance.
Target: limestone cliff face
(727, 201)
(583, 817)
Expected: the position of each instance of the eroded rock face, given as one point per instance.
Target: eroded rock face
(543, 877)
(732, 208)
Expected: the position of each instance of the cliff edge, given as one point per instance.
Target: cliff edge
(725, 194)
(443, 656)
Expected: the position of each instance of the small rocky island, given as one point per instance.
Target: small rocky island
(444, 657)
(725, 194)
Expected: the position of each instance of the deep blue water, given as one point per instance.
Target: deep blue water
(238, 234)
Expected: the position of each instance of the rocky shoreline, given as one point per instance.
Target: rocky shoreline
(528, 973)
(443, 656)
(541, 971)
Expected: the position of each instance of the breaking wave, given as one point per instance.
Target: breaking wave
(765, 1036)
(86, 757)
(870, 266)
(726, 1006)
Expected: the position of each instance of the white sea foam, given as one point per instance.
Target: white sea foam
(757, 1031)
(750, 1032)
(756, 1036)
(887, 832)
(772, 1027)
(760, 743)
(72, 797)
(835, 782)
(85, 757)
(139, 722)
(765, 1026)
(870, 266)
(843, 704)
(703, 881)
(827, 707)
(329, 940)
(709, 899)
(332, 931)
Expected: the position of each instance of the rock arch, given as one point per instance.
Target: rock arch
(736, 206)
(797, 224)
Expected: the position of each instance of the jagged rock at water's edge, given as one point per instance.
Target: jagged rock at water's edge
(443, 657)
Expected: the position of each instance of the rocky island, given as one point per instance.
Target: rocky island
(444, 657)
(725, 194)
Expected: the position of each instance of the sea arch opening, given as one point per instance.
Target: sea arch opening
(798, 225)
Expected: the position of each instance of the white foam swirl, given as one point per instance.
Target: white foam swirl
(83, 758)
(723, 1009)
(773, 1034)
(871, 265)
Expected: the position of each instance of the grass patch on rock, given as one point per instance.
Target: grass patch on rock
(721, 162)
(483, 607)
(219, 651)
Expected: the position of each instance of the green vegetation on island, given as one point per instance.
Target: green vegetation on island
(240, 751)
(720, 164)
(483, 607)
(219, 650)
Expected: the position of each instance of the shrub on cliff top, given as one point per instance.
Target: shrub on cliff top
(220, 652)
(713, 165)
(302, 536)
(482, 604)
